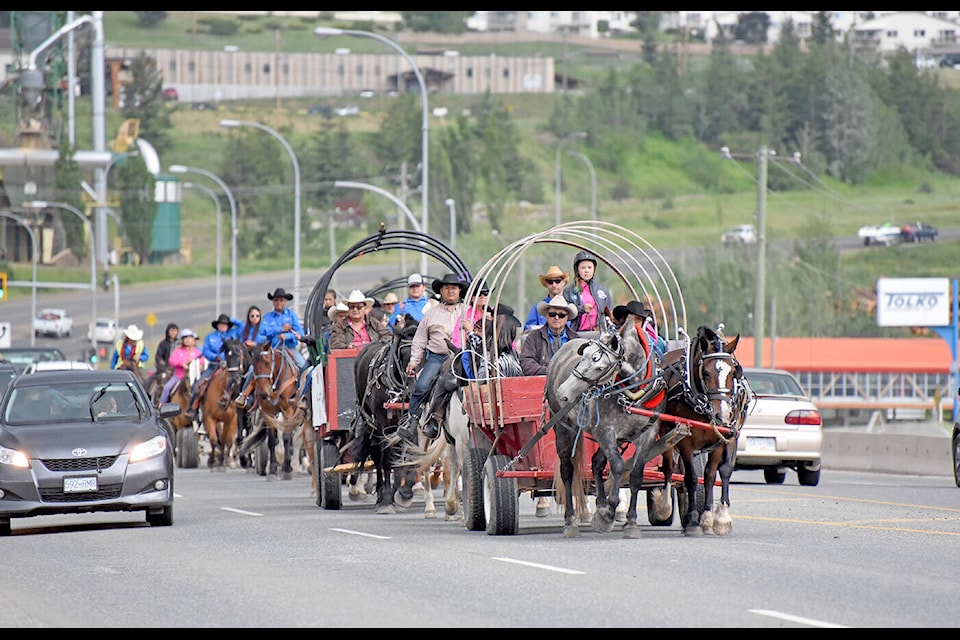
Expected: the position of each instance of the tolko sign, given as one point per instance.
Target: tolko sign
(913, 302)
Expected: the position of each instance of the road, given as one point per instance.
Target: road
(859, 550)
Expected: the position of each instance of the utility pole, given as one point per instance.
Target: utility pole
(758, 304)
(401, 220)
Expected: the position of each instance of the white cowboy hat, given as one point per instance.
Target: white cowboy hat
(558, 302)
(356, 297)
(133, 332)
(335, 309)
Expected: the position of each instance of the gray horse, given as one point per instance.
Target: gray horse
(600, 374)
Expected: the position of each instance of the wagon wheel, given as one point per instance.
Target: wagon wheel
(471, 479)
(328, 489)
(501, 499)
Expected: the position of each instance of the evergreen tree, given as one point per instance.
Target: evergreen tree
(143, 101)
(138, 207)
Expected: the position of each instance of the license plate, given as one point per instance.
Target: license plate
(80, 485)
(761, 444)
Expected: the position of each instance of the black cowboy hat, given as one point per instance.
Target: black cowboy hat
(450, 278)
(635, 307)
(223, 319)
(280, 293)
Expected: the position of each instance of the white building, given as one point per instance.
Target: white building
(582, 23)
(913, 31)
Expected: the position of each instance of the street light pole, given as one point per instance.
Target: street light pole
(296, 198)
(593, 181)
(210, 192)
(345, 184)
(563, 141)
(452, 205)
(425, 161)
(41, 204)
(179, 168)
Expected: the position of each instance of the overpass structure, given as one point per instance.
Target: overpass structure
(857, 380)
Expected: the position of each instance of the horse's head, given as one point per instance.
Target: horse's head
(600, 361)
(718, 375)
(235, 359)
(264, 369)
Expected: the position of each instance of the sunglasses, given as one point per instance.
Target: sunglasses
(388, 304)
(555, 281)
(254, 316)
(557, 314)
(356, 306)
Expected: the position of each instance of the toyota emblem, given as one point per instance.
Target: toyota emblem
(79, 452)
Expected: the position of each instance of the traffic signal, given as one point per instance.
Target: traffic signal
(106, 281)
(3, 287)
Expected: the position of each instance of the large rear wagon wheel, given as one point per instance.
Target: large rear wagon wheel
(501, 499)
(329, 487)
(188, 449)
(472, 490)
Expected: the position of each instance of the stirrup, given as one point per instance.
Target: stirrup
(408, 433)
(431, 430)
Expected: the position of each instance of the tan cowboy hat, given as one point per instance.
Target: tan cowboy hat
(133, 332)
(391, 298)
(558, 302)
(356, 297)
(335, 309)
(553, 273)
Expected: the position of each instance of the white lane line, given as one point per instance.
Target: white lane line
(362, 535)
(242, 513)
(797, 619)
(545, 567)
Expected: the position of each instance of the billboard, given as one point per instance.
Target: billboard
(913, 302)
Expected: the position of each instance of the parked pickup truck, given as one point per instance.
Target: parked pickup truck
(885, 234)
(53, 322)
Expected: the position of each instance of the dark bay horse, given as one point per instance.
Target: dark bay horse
(383, 389)
(600, 375)
(705, 384)
(277, 413)
(218, 412)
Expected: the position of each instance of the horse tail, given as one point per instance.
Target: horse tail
(252, 441)
(579, 492)
(424, 460)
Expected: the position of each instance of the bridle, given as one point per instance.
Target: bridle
(615, 353)
(279, 381)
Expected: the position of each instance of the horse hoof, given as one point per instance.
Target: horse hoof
(632, 532)
(621, 516)
(602, 523)
(388, 510)
(693, 531)
(418, 489)
(356, 497)
(571, 531)
(722, 528)
(430, 515)
(287, 476)
(403, 503)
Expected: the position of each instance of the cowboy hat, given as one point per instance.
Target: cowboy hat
(133, 332)
(557, 302)
(481, 287)
(553, 273)
(356, 297)
(390, 298)
(223, 319)
(335, 309)
(635, 307)
(279, 293)
(450, 278)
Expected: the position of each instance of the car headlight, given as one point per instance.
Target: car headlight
(14, 458)
(150, 449)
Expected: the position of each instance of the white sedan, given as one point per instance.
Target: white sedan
(105, 330)
(885, 234)
(783, 429)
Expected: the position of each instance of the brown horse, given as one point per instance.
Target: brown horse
(218, 412)
(704, 384)
(278, 413)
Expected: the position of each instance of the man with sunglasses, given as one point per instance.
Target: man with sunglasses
(540, 344)
(554, 280)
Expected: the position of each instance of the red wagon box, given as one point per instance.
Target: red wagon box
(510, 400)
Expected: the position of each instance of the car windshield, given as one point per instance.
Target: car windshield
(74, 402)
(770, 384)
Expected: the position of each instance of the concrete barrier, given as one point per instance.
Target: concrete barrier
(918, 449)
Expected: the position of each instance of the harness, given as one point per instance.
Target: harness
(386, 371)
(277, 375)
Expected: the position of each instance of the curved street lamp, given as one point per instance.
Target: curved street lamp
(216, 200)
(229, 124)
(572, 136)
(593, 181)
(179, 168)
(425, 161)
(41, 204)
(36, 250)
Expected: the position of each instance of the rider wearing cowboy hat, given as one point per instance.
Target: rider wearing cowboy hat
(131, 347)
(357, 329)
(554, 280)
(541, 343)
(282, 327)
(213, 353)
(645, 317)
(431, 346)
